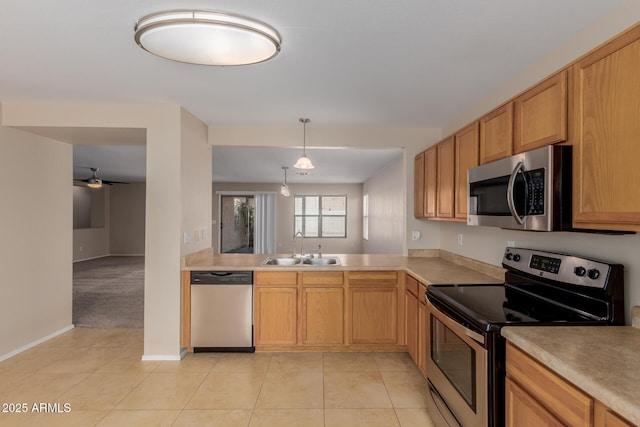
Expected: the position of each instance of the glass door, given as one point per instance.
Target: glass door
(237, 224)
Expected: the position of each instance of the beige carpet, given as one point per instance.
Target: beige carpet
(109, 292)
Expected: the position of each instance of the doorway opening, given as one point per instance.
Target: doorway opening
(237, 222)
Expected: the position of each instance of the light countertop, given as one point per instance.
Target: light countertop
(429, 270)
(603, 361)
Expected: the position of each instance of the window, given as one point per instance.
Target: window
(365, 217)
(320, 216)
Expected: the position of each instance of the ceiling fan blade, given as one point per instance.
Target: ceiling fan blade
(106, 181)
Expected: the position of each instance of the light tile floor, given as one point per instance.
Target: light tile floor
(98, 374)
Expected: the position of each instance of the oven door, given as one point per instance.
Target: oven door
(457, 371)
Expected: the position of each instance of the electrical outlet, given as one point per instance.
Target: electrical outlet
(511, 244)
(186, 237)
(415, 235)
(460, 239)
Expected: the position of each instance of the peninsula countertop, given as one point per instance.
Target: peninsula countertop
(447, 268)
(603, 361)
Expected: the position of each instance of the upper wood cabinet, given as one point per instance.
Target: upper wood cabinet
(418, 186)
(430, 182)
(606, 127)
(466, 157)
(496, 134)
(445, 179)
(540, 114)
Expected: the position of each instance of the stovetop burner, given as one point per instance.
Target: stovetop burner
(541, 288)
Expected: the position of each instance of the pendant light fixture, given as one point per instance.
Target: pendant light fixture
(304, 162)
(206, 37)
(284, 188)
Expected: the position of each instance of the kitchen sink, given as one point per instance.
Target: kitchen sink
(321, 261)
(284, 261)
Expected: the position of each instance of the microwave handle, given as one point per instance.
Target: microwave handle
(512, 206)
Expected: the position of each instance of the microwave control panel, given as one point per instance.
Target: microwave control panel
(536, 192)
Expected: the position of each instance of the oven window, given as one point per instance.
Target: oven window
(456, 359)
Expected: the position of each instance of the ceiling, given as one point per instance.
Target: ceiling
(407, 63)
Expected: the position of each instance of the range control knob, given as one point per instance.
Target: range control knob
(593, 274)
(509, 256)
(580, 271)
(516, 257)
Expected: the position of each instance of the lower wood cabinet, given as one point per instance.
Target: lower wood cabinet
(416, 322)
(322, 316)
(423, 327)
(537, 396)
(336, 309)
(411, 317)
(373, 307)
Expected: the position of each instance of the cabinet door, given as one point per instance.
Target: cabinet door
(606, 128)
(540, 114)
(466, 155)
(430, 184)
(418, 186)
(603, 417)
(524, 410)
(445, 180)
(323, 316)
(411, 324)
(556, 395)
(374, 312)
(275, 315)
(423, 330)
(496, 134)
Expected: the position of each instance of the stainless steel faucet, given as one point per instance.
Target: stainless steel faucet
(299, 234)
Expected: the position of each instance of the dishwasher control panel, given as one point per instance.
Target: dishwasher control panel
(221, 277)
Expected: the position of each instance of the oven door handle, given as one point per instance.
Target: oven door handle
(458, 327)
(510, 200)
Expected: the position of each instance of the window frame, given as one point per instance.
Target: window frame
(319, 216)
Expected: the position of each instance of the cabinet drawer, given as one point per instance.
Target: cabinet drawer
(412, 285)
(320, 278)
(376, 278)
(280, 278)
(561, 398)
(422, 296)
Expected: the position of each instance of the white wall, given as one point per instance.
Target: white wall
(164, 125)
(412, 140)
(196, 176)
(126, 219)
(36, 219)
(352, 244)
(89, 243)
(487, 244)
(386, 210)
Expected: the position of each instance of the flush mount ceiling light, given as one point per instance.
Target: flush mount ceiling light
(206, 37)
(304, 162)
(284, 188)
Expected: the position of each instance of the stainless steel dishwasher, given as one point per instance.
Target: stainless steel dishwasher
(222, 311)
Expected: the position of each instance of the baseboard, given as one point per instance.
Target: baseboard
(104, 256)
(161, 357)
(126, 255)
(90, 258)
(36, 342)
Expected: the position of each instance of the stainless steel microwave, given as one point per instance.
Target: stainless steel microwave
(527, 191)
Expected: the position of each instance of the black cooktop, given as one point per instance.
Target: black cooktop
(540, 288)
(489, 307)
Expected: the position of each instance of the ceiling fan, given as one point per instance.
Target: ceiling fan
(95, 182)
